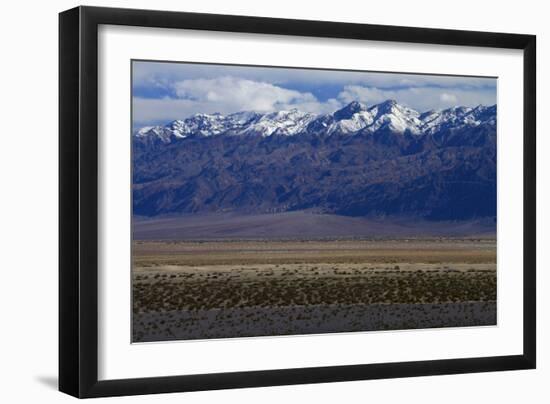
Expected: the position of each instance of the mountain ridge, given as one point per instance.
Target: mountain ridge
(350, 119)
(377, 161)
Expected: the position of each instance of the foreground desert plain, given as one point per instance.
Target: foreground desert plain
(239, 288)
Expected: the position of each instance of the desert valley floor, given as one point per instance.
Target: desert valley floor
(222, 289)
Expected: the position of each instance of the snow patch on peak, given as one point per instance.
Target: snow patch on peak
(395, 117)
(280, 122)
(354, 123)
(353, 118)
(349, 110)
(434, 121)
(244, 117)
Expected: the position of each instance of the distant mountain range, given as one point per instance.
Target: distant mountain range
(382, 160)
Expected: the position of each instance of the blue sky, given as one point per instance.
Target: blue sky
(163, 91)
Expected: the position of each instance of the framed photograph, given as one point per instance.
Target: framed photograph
(251, 201)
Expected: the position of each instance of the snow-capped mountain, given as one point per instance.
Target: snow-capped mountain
(240, 123)
(434, 121)
(353, 118)
(199, 125)
(281, 123)
(381, 160)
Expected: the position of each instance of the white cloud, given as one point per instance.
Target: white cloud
(233, 93)
(225, 95)
(146, 73)
(446, 97)
(419, 98)
(191, 88)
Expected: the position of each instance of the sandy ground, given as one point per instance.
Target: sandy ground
(150, 254)
(194, 290)
(316, 319)
(300, 225)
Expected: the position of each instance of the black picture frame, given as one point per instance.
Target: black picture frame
(78, 201)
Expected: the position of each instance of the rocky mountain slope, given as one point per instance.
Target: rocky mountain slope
(381, 160)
